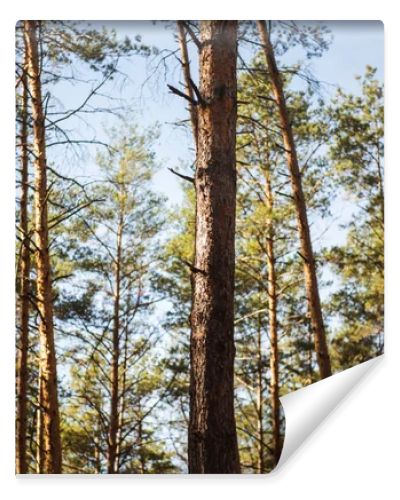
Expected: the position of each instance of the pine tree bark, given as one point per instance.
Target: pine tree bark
(212, 432)
(51, 422)
(311, 282)
(112, 465)
(24, 275)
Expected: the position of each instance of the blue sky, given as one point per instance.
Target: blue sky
(355, 44)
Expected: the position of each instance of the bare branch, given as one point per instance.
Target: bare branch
(192, 35)
(177, 92)
(184, 177)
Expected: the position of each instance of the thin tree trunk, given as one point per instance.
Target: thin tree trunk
(213, 444)
(51, 422)
(39, 429)
(142, 458)
(310, 356)
(123, 393)
(97, 454)
(272, 315)
(260, 401)
(313, 298)
(380, 184)
(273, 327)
(187, 77)
(113, 431)
(24, 274)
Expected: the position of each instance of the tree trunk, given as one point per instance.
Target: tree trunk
(24, 274)
(273, 327)
(313, 299)
(187, 77)
(122, 398)
(212, 432)
(39, 429)
(114, 424)
(97, 454)
(142, 458)
(51, 423)
(260, 401)
(380, 184)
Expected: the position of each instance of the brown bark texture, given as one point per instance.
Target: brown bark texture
(50, 410)
(213, 444)
(24, 290)
(310, 274)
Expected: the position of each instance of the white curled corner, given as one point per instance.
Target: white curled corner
(306, 408)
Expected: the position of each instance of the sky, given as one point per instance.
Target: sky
(355, 44)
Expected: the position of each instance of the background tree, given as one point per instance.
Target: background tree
(50, 48)
(23, 284)
(270, 302)
(117, 259)
(357, 153)
(48, 371)
(307, 253)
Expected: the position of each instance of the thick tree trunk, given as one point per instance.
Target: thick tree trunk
(24, 274)
(186, 75)
(313, 298)
(273, 328)
(212, 432)
(112, 465)
(51, 423)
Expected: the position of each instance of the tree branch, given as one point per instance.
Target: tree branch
(177, 92)
(192, 35)
(184, 177)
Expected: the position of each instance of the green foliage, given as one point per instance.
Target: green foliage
(357, 156)
(124, 206)
(65, 42)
